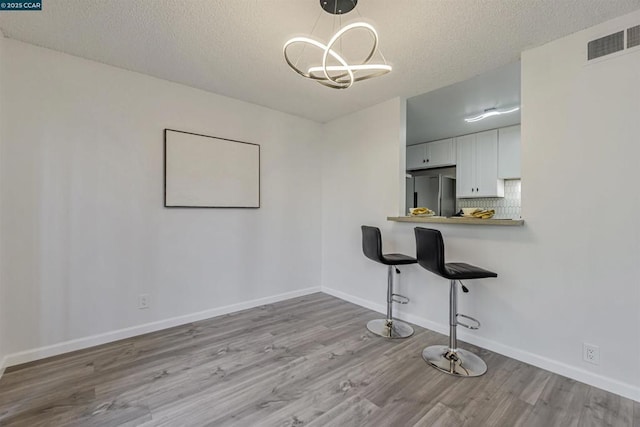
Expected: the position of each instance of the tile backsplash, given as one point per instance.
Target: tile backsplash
(507, 207)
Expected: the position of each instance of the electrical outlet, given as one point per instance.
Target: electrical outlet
(591, 353)
(143, 301)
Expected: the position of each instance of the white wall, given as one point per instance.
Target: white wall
(570, 275)
(2, 294)
(361, 176)
(581, 132)
(84, 229)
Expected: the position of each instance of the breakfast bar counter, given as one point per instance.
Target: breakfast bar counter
(456, 220)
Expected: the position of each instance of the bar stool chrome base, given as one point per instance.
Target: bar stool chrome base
(390, 329)
(460, 363)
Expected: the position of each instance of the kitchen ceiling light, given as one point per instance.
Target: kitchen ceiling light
(491, 112)
(341, 75)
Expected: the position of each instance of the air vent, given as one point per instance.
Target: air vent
(605, 45)
(633, 36)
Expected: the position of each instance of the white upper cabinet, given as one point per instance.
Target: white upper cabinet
(487, 182)
(416, 156)
(465, 166)
(441, 153)
(431, 154)
(509, 152)
(477, 166)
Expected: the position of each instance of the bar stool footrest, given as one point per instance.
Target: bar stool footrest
(476, 326)
(400, 299)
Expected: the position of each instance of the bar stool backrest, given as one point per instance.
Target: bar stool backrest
(430, 250)
(372, 243)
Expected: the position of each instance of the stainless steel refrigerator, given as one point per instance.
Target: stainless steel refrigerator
(436, 192)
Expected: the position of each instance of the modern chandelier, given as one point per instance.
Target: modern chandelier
(491, 112)
(332, 68)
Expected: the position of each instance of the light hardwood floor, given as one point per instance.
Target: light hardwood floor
(307, 361)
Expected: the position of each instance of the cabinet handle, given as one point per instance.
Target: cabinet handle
(427, 160)
(472, 190)
(477, 189)
(423, 160)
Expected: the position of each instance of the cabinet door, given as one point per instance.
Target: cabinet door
(441, 153)
(486, 165)
(509, 152)
(416, 156)
(465, 166)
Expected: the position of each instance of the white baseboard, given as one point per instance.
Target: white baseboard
(86, 342)
(380, 308)
(614, 386)
(3, 364)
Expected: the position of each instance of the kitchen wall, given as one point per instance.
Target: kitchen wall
(507, 207)
(580, 121)
(569, 275)
(84, 230)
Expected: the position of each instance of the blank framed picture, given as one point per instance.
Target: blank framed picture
(203, 171)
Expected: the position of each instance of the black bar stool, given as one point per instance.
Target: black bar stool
(451, 359)
(372, 248)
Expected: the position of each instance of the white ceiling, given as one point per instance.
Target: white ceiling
(234, 47)
(440, 113)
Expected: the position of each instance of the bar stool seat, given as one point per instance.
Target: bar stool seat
(450, 359)
(372, 249)
(396, 259)
(462, 271)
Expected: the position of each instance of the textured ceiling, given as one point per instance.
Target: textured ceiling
(234, 47)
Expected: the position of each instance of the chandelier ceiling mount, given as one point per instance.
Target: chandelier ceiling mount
(338, 7)
(334, 70)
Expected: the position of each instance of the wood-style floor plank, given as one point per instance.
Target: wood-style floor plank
(307, 361)
(605, 409)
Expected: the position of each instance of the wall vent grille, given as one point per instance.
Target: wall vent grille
(605, 45)
(633, 36)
